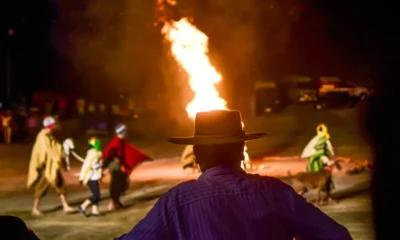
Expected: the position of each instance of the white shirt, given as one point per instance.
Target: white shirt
(91, 168)
(96, 174)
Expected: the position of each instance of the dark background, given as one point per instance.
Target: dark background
(87, 46)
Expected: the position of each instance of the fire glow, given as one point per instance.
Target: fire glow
(189, 46)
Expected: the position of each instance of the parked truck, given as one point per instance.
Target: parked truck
(268, 98)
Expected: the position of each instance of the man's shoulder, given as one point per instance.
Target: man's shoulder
(266, 179)
(194, 185)
(183, 188)
(268, 182)
(186, 192)
(196, 189)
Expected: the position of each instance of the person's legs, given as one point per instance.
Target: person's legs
(120, 189)
(41, 189)
(35, 207)
(60, 189)
(7, 135)
(65, 204)
(114, 189)
(85, 204)
(95, 198)
(95, 210)
(117, 186)
(125, 186)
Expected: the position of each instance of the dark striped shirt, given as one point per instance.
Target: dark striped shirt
(230, 204)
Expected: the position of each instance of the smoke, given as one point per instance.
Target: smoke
(247, 42)
(114, 44)
(245, 37)
(234, 39)
(109, 43)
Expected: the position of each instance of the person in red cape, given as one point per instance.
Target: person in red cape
(120, 158)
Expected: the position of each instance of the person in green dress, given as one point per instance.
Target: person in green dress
(319, 150)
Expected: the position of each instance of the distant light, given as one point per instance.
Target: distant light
(10, 32)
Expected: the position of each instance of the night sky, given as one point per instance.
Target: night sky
(325, 39)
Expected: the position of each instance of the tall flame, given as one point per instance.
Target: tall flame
(189, 46)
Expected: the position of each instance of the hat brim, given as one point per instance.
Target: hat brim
(212, 140)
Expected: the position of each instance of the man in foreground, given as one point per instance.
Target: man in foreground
(226, 202)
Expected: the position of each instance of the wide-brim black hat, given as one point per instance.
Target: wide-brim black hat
(217, 127)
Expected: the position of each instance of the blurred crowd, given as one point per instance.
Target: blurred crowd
(17, 122)
(21, 121)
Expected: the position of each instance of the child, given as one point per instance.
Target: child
(90, 174)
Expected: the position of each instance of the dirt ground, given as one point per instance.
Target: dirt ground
(150, 181)
(290, 132)
(353, 212)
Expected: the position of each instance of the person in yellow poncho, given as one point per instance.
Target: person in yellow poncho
(45, 165)
(188, 159)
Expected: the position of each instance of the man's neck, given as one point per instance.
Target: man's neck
(232, 166)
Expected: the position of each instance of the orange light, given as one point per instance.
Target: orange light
(189, 46)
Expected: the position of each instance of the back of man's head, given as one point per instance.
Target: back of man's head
(229, 154)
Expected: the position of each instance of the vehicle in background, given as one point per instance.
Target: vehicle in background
(268, 98)
(338, 99)
(335, 84)
(300, 88)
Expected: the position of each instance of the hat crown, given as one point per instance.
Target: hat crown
(217, 127)
(120, 129)
(48, 121)
(218, 122)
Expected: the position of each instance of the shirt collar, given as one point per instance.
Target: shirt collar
(220, 170)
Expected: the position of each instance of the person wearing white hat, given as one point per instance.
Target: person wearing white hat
(114, 155)
(120, 158)
(44, 167)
